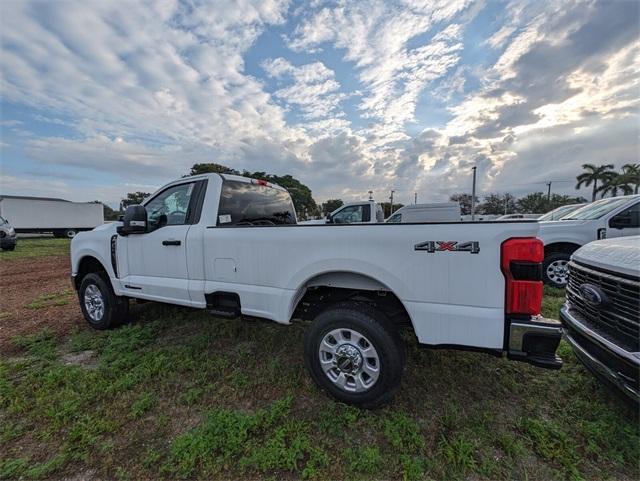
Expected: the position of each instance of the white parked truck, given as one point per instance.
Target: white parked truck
(605, 218)
(602, 315)
(231, 245)
(60, 217)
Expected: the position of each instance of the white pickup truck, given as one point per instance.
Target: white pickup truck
(602, 219)
(231, 245)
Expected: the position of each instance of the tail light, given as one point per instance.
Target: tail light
(522, 268)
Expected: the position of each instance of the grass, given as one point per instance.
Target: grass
(60, 298)
(180, 394)
(37, 247)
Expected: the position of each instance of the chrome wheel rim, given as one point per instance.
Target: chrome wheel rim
(93, 302)
(558, 271)
(349, 360)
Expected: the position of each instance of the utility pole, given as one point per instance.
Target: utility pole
(391, 200)
(549, 191)
(473, 195)
(415, 197)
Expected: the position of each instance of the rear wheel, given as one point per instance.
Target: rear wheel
(101, 308)
(354, 353)
(555, 269)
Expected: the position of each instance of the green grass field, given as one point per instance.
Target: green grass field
(37, 247)
(182, 394)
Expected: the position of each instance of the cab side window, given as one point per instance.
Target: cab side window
(395, 219)
(628, 218)
(169, 207)
(353, 214)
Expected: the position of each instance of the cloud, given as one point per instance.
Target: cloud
(358, 96)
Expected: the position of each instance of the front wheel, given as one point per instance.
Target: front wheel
(101, 308)
(355, 354)
(555, 269)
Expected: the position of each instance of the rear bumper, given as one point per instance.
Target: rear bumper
(535, 341)
(604, 358)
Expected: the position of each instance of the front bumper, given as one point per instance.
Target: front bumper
(8, 241)
(604, 358)
(535, 341)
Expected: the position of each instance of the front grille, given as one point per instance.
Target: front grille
(619, 319)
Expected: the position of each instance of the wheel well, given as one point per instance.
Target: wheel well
(317, 298)
(565, 247)
(88, 265)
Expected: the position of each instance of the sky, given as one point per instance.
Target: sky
(100, 98)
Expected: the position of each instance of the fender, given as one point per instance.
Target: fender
(297, 284)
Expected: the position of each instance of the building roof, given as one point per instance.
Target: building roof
(26, 197)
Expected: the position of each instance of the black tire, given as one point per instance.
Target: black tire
(9, 248)
(551, 260)
(115, 308)
(382, 335)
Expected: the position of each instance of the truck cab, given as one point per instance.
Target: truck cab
(602, 219)
(368, 212)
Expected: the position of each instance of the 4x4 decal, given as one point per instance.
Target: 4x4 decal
(452, 246)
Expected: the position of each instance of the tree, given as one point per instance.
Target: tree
(592, 175)
(386, 208)
(133, 198)
(300, 194)
(109, 213)
(558, 200)
(615, 183)
(465, 202)
(212, 168)
(633, 172)
(498, 204)
(535, 203)
(331, 205)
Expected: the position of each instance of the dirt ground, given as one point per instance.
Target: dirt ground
(22, 310)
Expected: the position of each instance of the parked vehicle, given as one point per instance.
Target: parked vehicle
(231, 245)
(602, 314)
(60, 217)
(433, 212)
(7, 235)
(560, 212)
(518, 216)
(605, 218)
(356, 213)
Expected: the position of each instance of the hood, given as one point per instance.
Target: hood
(620, 254)
(548, 225)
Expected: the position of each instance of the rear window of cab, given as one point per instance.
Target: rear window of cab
(251, 204)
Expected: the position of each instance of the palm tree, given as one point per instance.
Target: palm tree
(633, 171)
(615, 183)
(592, 175)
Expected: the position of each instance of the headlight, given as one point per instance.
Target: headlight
(12, 231)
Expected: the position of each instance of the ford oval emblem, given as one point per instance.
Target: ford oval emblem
(593, 295)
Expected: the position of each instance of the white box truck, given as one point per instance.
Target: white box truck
(60, 217)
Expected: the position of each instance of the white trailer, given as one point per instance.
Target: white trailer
(60, 217)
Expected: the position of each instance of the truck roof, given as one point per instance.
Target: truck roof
(28, 197)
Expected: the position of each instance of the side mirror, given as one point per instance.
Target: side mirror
(134, 221)
(329, 219)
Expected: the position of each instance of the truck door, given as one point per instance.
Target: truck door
(625, 223)
(157, 260)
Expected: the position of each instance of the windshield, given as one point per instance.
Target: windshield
(597, 209)
(559, 212)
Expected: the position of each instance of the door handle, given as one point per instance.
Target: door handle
(171, 242)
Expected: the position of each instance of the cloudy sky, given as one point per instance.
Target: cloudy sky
(100, 98)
